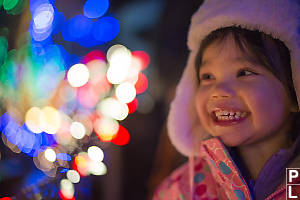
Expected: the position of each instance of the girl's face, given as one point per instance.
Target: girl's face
(230, 81)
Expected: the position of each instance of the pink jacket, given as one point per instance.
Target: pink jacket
(215, 177)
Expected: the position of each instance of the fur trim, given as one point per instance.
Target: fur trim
(279, 18)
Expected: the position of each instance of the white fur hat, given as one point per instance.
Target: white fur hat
(279, 18)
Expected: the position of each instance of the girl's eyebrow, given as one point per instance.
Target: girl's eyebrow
(238, 59)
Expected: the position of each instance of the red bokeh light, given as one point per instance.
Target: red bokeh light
(5, 198)
(143, 57)
(62, 197)
(93, 55)
(132, 106)
(142, 83)
(122, 137)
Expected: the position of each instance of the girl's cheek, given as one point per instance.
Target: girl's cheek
(201, 100)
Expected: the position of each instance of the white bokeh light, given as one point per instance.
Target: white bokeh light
(95, 153)
(50, 155)
(52, 120)
(73, 176)
(34, 119)
(119, 58)
(113, 108)
(115, 50)
(106, 128)
(125, 92)
(77, 130)
(67, 188)
(42, 22)
(97, 168)
(43, 17)
(78, 75)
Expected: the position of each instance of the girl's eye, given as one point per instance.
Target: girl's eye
(205, 77)
(246, 72)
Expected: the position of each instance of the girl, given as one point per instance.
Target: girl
(235, 113)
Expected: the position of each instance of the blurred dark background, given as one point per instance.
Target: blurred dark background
(158, 27)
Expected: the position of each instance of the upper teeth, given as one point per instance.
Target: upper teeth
(230, 114)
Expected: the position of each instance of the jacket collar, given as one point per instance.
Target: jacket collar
(228, 172)
(224, 169)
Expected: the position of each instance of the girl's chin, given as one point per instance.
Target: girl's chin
(231, 141)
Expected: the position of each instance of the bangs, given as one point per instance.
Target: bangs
(258, 47)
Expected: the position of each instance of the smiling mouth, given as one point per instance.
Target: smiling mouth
(223, 118)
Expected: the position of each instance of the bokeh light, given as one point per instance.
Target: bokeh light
(63, 135)
(119, 58)
(125, 92)
(5, 198)
(106, 128)
(3, 48)
(142, 83)
(73, 176)
(43, 16)
(77, 130)
(94, 55)
(88, 95)
(95, 153)
(64, 157)
(78, 75)
(97, 168)
(52, 120)
(142, 59)
(113, 108)
(97, 70)
(95, 8)
(67, 188)
(13, 7)
(132, 106)
(35, 119)
(106, 29)
(50, 155)
(77, 28)
(14, 148)
(122, 138)
(9, 4)
(81, 163)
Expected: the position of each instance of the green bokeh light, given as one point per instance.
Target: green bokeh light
(3, 49)
(10, 4)
(14, 7)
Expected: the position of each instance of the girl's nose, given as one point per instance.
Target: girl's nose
(222, 90)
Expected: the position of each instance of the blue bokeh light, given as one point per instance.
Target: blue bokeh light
(95, 8)
(64, 156)
(77, 28)
(28, 142)
(58, 21)
(106, 29)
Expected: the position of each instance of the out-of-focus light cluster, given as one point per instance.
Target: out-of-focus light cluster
(90, 29)
(90, 163)
(43, 120)
(56, 101)
(50, 133)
